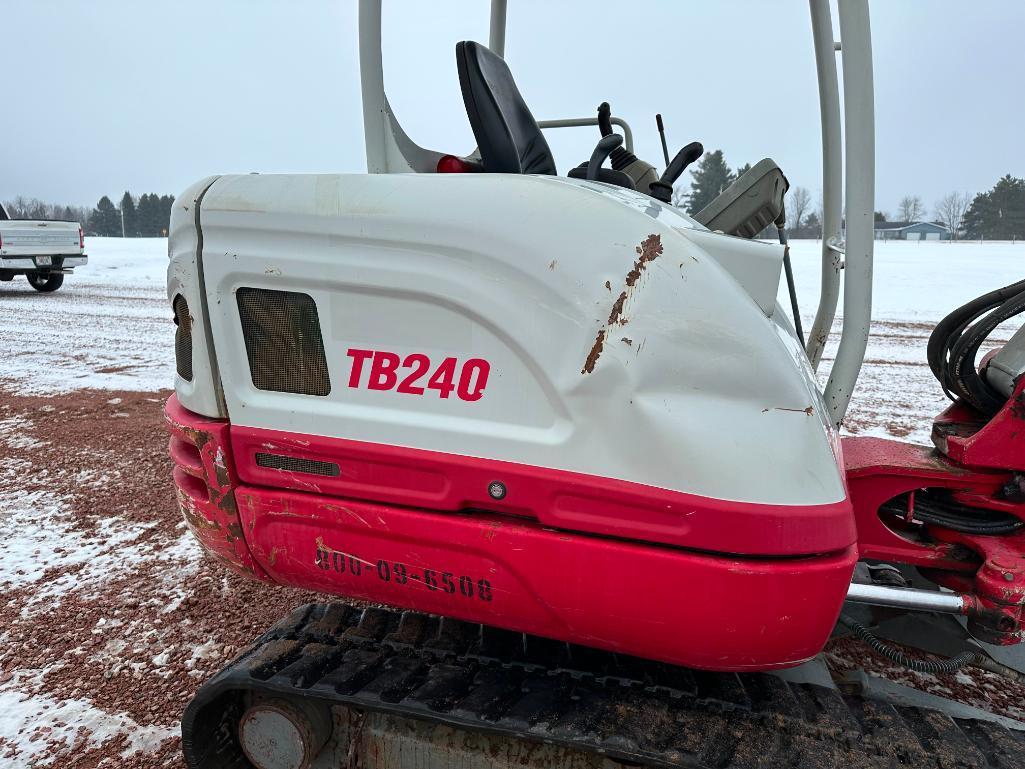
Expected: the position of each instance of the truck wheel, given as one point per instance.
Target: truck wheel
(46, 281)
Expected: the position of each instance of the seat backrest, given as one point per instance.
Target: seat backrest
(509, 139)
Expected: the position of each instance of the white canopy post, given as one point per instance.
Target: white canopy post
(859, 125)
(832, 177)
(496, 36)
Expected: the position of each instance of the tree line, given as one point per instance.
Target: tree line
(147, 216)
(998, 214)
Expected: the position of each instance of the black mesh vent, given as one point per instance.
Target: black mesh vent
(182, 338)
(296, 464)
(283, 341)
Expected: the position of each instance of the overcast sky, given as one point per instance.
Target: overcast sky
(108, 95)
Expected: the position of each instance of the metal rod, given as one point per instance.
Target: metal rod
(859, 146)
(662, 136)
(832, 177)
(496, 35)
(791, 288)
(909, 598)
(576, 122)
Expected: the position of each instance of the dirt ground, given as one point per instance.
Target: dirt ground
(113, 607)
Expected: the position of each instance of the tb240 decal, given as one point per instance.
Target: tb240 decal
(416, 374)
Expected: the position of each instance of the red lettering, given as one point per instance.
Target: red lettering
(420, 364)
(358, 356)
(382, 371)
(442, 379)
(472, 388)
(389, 371)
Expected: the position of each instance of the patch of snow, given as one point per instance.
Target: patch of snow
(204, 651)
(14, 434)
(27, 721)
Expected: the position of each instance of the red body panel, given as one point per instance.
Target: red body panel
(679, 606)
(204, 476)
(504, 568)
(557, 498)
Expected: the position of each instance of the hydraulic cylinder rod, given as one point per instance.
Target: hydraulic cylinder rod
(911, 598)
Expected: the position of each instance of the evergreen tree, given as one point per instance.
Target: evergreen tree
(711, 177)
(105, 219)
(148, 216)
(741, 171)
(1000, 213)
(129, 214)
(166, 202)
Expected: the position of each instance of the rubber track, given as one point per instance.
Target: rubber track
(476, 677)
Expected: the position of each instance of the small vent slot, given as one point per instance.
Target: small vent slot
(283, 341)
(297, 464)
(182, 338)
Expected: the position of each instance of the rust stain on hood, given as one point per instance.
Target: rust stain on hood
(648, 251)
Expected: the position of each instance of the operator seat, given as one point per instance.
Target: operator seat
(509, 139)
(507, 134)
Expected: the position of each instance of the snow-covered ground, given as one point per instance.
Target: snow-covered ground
(107, 610)
(915, 285)
(108, 326)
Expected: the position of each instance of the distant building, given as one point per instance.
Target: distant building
(911, 231)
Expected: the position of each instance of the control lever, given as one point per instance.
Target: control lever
(605, 119)
(601, 151)
(663, 188)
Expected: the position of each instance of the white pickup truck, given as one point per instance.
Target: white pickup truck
(44, 252)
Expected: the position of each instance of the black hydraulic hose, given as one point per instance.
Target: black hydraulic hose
(962, 369)
(939, 511)
(950, 665)
(952, 325)
(953, 345)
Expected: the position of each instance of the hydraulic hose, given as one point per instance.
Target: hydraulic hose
(955, 342)
(962, 367)
(950, 665)
(940, 511)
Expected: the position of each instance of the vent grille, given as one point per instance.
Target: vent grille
(182, 338)
(283, 341)
(296, 464)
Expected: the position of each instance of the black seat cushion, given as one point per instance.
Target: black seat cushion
(509, 138)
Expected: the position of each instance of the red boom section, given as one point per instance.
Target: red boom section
(500, 567)
(978, 464)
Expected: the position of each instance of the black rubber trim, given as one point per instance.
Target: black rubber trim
(479, 678)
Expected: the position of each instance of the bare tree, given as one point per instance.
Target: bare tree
(951, 210)
(800, 200)
(911, 209)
